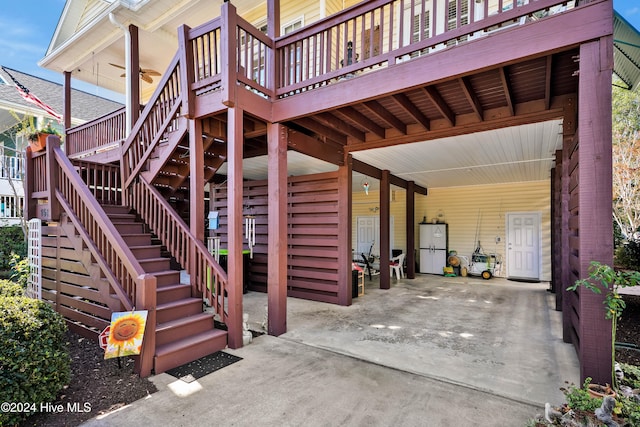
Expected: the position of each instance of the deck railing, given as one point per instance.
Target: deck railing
(158, 117)
(206, 275)
(104, 133)
(103, 180)
(384, 33)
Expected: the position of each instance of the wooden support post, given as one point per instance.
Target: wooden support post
(196, 193)
(277, 237)
(411, 230)
(134, 49)
(345, 285)
(235, 227)
(53, 141)
(228, 48)
(146, 286)
(30, 203)
(187, 73)
(66, 106)
(595, 190)
(565, 246)
(273, 31)
(385, 212)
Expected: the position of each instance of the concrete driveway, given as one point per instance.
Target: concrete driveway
(501, 336)
(431, 351)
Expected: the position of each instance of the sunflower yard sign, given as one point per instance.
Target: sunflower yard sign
(126, 332)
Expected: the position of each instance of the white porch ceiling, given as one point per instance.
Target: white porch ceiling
(514, 154)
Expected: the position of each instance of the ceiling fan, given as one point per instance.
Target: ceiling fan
(144, 73)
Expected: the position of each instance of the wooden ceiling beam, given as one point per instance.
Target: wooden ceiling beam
(506, 87)
(377, 109)
(340, 125)
(322, 130)
(467, 90)
(351, 113)
(405, 103)
(437, 100)
(305, 144)
(372, 171)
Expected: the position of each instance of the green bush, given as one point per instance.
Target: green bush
(34, 359)
(19, 270)
(10, 289)
(628, 255)
(11, 242)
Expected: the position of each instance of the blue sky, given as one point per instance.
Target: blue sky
(27, 26)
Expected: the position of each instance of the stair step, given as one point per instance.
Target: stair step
(146, 251)
(151, 265)
(167, 278)
(116, 209)
(129, 227)
(121, 217)
(183, 327)
(187, 350)
(178, 291)
(177, 309)
(136, 239)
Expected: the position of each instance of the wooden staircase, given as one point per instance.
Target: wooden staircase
(184, 332)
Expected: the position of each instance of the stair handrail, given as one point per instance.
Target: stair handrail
(206, 275)
(119, 259)
(161, 110)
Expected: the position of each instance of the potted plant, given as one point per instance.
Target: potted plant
(604, 278)
(38, 139)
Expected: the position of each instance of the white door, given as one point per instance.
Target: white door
(368, 234)
(523, 245)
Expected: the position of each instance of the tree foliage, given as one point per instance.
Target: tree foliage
(626, 162)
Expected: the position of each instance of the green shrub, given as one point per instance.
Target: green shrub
(628, 255)
(579, 397)
(19, 270)
(34, 359)
(10, 289)
(11, 242)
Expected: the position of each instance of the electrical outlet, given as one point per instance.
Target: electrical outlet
(498, 239)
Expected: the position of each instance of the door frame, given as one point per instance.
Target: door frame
(538, 216)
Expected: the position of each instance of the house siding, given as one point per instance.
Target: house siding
(482, 210)
(466, 209)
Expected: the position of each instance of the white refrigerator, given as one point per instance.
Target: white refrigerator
(433, 248)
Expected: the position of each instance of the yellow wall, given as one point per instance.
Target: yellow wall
(484, 208)
(467, 209)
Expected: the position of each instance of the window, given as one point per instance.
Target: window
(11, 167)
(10, 208)
(453, 18)
(420, 30)
(294, 55)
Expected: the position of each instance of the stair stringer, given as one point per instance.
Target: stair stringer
(165, 151)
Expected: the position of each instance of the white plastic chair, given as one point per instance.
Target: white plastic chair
(397, 266)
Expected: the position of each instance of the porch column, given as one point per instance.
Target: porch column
(411, 230)
(277, 236)
(66, 106)
(595, 192)
(566, 275)
(345, 285)
(196, 185)
(235, 140)
(385, 212)
(134, 95)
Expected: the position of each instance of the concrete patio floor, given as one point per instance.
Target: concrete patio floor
(497, 335)
(432, 351)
